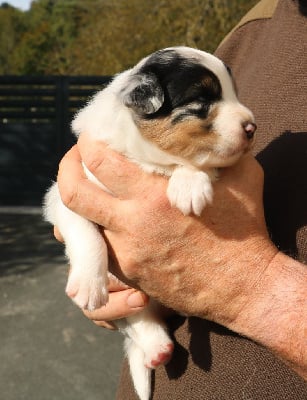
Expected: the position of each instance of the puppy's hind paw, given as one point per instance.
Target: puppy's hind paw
(89, 293)
(159, 356)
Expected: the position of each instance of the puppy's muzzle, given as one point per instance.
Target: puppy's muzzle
(249, 129)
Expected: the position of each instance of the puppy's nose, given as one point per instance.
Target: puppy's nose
(250, 129)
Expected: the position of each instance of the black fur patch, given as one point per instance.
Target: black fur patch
(143, 93)
(183, 81)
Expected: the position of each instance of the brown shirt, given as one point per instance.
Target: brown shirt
(267, 53)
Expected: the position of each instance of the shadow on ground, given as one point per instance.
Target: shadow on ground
(49, 350)
(27, 244)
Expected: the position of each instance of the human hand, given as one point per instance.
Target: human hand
(221, 266)
(124, 301)
(194, 265)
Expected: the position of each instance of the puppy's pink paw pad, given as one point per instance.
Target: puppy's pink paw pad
(163, 357)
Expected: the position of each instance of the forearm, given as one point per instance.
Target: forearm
(276, 314)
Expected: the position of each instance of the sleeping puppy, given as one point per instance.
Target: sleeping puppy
(175, 113)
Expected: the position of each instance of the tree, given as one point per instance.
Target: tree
(122, 32)
(52, 28)
(106, 36)
(12, 23)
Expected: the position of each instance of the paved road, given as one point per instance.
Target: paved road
(49, 350)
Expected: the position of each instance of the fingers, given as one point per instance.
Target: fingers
(104, 324)
(241, 186)
(245, 177)
(245, 168)
(115, 285)
(84, 197)
(57, 234)
(121, 304)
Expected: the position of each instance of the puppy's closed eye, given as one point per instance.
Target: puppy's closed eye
(194, 110)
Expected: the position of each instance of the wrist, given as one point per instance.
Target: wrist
(225, 291)
(275, 313)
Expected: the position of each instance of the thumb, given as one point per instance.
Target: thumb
(84, 197)
(111, 168)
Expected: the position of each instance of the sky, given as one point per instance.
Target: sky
(22, 4)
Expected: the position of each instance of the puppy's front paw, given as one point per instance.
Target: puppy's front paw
(189, 190)
(88, 292)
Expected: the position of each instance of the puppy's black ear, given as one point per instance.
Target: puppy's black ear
(143, 93)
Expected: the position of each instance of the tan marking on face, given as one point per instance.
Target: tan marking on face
(185, 139)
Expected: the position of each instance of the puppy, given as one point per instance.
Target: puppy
(175, 113)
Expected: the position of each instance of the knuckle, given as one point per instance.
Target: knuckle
(94, 163)
(57, 234)
(69, 195)
(132, 264)
(67, 188)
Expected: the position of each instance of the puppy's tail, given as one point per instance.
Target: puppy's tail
(141, 375)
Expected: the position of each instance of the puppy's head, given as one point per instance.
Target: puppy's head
(184, 101)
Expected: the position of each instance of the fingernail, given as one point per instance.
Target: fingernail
(136, 299)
